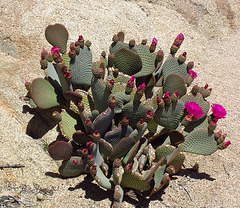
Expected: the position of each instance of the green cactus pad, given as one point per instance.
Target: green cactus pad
(134, 181)
(73, 167)
(122, 147)
(152, 126)
(116, 46)
(100, 94)
(148, 61)
(131, 153)
(122, 98)
(60, 150)
(114, 136)
(200, 141)
(81, 68)
(170, 115)
(171, 66)
(173, 83)
(102, 180)
(70, 123)
(158, 176)
(66, 60)
(103, 121)
(127, 61)
(105, 148)
(87, 101)
(57, 36)
(44, 95)
(164, 151)
(173, 155)
(135, 112)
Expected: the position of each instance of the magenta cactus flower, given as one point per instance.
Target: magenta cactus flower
(111, 82)
(150, 114)
(194, 110)
(154, 41)
(177, 93)
(192, 74)
(167, 96)
(80, 38)
(44, 52)
(226, 144)
(68, 75)
(219, 111)
(64, 68)
(76, 161)
(55, 52)
(141, 88)
(131, 81)
(180, 37)
(27, 83)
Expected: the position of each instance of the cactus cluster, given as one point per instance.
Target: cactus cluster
(127, 118)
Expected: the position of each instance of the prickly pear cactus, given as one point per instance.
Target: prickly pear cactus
(127, 119)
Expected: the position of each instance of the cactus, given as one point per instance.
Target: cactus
(117, 128)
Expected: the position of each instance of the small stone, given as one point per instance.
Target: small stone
(39, 197)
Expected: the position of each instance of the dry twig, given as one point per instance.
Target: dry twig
(12, 166)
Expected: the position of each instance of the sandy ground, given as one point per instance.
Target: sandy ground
(212, 42)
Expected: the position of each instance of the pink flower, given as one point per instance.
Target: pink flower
(177, 93)
(219, 111)
(64, 68)
(194, 110)
(192, 74)
(180, 37)
(68, 75)
(80, 38)
(111, 82)
(131, 81)
(184, 54)
(76, 162)
(150, 114)
(167, 96)
(226, 144)
(55, 52)
(90, 157)
(44, 52)
(154, 42)
(141, 88)
(159, 100)
(27, 83)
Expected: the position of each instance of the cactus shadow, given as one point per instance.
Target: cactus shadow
(91, 188)
(138, 201)
(54, 175)
(41, 118)
(194, 174)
